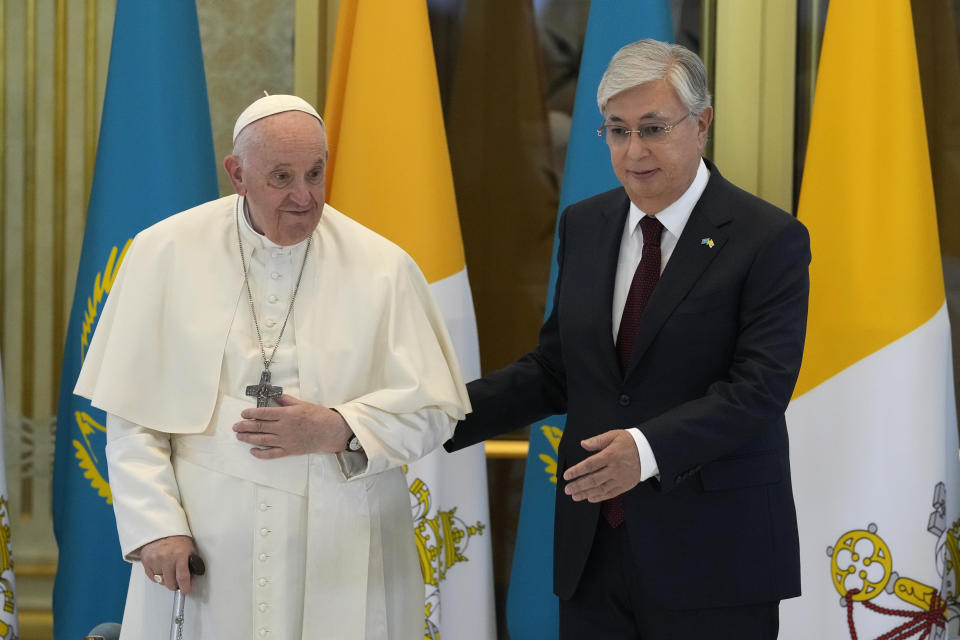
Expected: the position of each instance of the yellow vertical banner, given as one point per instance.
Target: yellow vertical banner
(389, 169)
(867, 192)
(389, 166)
(873, 427)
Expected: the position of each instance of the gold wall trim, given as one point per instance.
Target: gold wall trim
(59, 197)
(4, 20)
(36, 623)
(36, 570)
(708, 36)
(89, 97)
(314, 31)
(35, 616)
(754, 89)
(814, 50)
(506, 448)
(28, 310)
(309, 75)
(53, 65)
(708, 52)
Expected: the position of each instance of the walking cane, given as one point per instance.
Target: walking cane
(197, 568)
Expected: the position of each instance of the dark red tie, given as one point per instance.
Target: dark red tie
(641, 288)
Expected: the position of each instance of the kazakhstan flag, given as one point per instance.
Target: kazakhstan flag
(154, 158)
(532, 609)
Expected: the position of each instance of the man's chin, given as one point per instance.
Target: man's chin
(294, 234)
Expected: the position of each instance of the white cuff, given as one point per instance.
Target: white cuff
(648, 462)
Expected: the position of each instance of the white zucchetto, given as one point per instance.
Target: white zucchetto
(271, 105)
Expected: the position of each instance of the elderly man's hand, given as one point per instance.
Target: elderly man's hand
(168, 558)
(614, 469)
(293, 428)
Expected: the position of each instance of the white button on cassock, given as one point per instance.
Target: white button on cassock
(262, 582)
(263, 557)
(264, 506)
(262, 606)
(275, 275)
(264, 532)
(263, 632)
(273, 298)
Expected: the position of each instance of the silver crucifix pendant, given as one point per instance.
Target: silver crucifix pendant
(264, 391)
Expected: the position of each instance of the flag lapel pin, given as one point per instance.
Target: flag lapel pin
(707, 241)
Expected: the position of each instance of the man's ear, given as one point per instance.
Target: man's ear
(234, 168)
(703, 125)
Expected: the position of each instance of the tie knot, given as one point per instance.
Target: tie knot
(651, 228)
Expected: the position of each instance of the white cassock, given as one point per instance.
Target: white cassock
(314, 546)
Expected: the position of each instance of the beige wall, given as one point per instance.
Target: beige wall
(247, 49)
(54, 56)
(53, 59)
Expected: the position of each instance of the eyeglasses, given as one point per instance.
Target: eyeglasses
(618, 135)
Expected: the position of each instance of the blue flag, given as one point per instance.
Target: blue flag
(532, 609)
(154, 158)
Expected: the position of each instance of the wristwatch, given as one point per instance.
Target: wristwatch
(353, 444)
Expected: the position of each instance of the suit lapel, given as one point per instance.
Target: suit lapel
(689, 260)
(610, 234)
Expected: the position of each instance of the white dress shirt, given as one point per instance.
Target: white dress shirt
(674, 219)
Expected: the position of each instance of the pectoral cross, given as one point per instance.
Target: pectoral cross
(264, 391)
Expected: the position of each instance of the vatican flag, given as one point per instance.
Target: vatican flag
(873, 420)
(8, 599)
(389, 169)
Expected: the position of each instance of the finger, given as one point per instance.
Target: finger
(262, 413)
(169, 575)
(598, 496)
(152, 574)
(598, 442)
(183, 576)
(254, 426)
(259, 439)
(269, 454)
(286, 400)
(591, 465)
(598, 493)
(586, 483)
(605, 492)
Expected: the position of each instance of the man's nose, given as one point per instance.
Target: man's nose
(637, 147)
(299, 192)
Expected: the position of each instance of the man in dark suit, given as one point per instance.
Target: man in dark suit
(673, 346)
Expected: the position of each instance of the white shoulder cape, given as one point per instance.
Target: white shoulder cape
(363, 311)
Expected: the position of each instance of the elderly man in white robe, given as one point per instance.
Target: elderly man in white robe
(267, 366)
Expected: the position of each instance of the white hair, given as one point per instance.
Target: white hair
(648, 60)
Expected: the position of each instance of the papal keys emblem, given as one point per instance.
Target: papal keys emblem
(862, 567)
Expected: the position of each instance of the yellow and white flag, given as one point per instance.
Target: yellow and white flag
(873, 422)
(389, 169)
(8, 600)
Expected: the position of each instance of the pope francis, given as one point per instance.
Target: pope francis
(267, 366)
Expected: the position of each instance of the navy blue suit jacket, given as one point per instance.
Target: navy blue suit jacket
(715, 361)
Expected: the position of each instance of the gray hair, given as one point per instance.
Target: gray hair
(648, 60)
